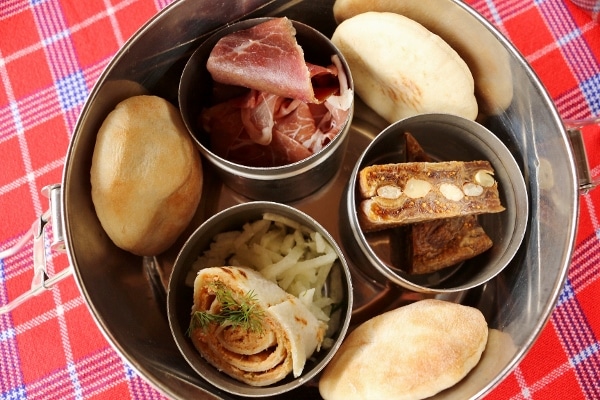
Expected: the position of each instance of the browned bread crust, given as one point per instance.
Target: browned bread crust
(146, 175)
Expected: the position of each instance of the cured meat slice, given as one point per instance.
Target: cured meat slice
(265, 130)
(258, 115)
(289, 111)
(265, 57)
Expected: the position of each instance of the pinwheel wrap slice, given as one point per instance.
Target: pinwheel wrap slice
(287, 334)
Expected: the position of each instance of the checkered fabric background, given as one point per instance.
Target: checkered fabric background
(51, 54)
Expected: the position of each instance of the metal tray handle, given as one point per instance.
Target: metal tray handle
(587, 182)
(52, 217)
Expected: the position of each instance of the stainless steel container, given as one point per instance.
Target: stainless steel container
(125, 293)
(281, 183)
(179, 299)
(445, 138)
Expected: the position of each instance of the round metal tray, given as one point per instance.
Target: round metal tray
(125, 293)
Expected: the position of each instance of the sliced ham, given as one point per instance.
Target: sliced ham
(275, 123)
(265, 57)
(258, 115)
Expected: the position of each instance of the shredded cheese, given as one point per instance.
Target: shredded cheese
(297, 258)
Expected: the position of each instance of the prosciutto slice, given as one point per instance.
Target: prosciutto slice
(265, 57)
(292, 108)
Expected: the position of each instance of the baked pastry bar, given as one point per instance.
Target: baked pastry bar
(438, 243)
(441, 243)
(406, 193)
(445, 242)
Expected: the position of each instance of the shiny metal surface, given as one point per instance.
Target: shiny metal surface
(285, 183)
(586, 181)
(445, 138)
(121, 298)
(180, 296)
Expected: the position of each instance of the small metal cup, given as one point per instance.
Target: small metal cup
(445, 138)
(283, 183)
(180, 297)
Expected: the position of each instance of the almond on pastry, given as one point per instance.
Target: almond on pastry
(425, 191)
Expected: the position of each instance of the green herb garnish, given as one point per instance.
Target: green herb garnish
(242, 312)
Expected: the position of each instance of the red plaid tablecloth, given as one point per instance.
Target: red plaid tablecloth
(51, 54)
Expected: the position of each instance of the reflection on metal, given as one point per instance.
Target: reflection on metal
(586, 181)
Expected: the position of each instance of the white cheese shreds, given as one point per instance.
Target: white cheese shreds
(297, 258)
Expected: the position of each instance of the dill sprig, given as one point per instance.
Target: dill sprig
(243, 312)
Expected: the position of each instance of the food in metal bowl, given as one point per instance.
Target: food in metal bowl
(243, 321)
(290, 109)
(435, 229)
(270, 294)
(276, 127)
(430, 257)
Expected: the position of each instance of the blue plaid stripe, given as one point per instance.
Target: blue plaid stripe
(16, 393)
(591, 91)
(568, 35)
(579, 342)
(72, 91)
(575, 333)
(11, 380)
(56, 39)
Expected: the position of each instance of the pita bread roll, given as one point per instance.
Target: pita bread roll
(485, 55)
(412, 352)
(146, 175)
(401, 69)
(288, 335)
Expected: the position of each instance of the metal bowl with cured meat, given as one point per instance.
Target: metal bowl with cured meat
(126, 294)
(268, 140)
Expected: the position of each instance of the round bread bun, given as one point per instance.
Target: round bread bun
(401, 69)
(485, 55)
(412, 352)
(146, 175)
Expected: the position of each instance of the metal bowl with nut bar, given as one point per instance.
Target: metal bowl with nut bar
(437, 138)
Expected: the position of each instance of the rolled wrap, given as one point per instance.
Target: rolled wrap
(289, 332)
